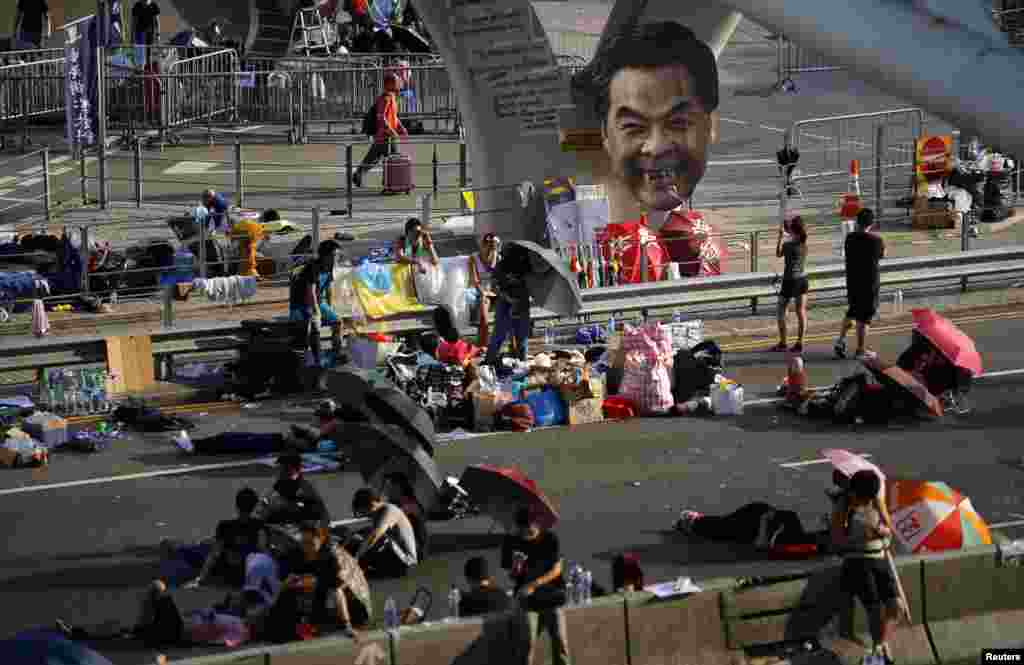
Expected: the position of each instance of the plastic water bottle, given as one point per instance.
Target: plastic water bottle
(454, 598)
(113, 298)
(677, 316)
(588, 581)
(549, 335)
(390, 615)
(611, 326)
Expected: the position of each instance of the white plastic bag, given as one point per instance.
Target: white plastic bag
(429, 283)
(727, 398)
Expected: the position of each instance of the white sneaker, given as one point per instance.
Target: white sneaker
(184, 442)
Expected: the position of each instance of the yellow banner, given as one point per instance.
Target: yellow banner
(401, 297)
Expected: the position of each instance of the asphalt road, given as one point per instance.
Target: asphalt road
(83, 552)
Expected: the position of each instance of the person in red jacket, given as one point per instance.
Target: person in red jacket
(389, 128)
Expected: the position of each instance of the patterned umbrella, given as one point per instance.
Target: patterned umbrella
(500, 491)
(932, 517)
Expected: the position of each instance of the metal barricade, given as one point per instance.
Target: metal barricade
(792, 60)
(29, 90)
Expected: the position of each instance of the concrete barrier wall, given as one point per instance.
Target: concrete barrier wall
(960, 603)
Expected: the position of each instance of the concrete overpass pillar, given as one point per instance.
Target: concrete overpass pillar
(513, 117)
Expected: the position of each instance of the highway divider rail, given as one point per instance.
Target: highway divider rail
(22, 353)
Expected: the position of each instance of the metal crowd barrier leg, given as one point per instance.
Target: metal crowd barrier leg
(755, 247)
(46, 182)
(434, 171)
(138, 174)
(85, 259)
(462, 175)
(316, 228)
(239, 180)
(348, 178)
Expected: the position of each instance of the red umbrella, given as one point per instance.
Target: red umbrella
(501, 491)
(951, 342)
(893, 375)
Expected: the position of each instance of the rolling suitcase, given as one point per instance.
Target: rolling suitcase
(398, 174)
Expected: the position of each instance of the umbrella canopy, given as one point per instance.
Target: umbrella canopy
(551, 284)
(381, 451)
(849, 463)
(409, 39)
(47, 648)
(349, 386)
(391, 406)
(933, 517)
(501, 491)
(951, 342)
(894, 376)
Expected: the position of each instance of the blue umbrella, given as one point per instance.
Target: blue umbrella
(43, 647)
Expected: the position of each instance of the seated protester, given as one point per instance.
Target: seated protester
(293, 499)
(328, 415)
(626, 573)
(319, 575)
(936, 372)
(397, 490)
(390, 550)
(757, 524)
(484, 596)
(235, 540)
(415, 247)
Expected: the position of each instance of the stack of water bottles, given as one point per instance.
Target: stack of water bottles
(579, 586)
(76, 392)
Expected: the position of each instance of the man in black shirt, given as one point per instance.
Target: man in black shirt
(316, 573)
(534, 562)
(145, 22)
(235, 540)
(293, 499)
(30, 20)
(863, 251)
(484, 596)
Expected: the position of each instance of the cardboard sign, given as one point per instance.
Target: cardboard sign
(934, 156)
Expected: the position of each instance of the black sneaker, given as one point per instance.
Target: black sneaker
(357, 179)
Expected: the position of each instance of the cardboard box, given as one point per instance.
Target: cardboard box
(927, 216)
(586, 411)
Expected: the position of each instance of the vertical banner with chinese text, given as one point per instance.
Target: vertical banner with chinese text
(80, 86)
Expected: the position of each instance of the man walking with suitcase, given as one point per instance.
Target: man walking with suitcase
(387, 127)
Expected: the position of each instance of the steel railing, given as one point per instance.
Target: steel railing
(21, 355)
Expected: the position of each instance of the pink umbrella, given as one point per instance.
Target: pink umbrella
(951, 342)
(849, 463)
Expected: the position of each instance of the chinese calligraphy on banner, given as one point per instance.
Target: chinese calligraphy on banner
(80, 86)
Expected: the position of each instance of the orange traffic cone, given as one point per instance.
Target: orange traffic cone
(850, 203)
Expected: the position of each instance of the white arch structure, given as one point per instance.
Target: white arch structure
(943, 55)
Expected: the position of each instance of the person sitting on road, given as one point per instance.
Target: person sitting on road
(319, 574)
(937, 374)
(484, 595)
(862, 528)
(397, 490)
(235, 540)
(309, 298)
(293, 499)
(758, 524)
(626, 573)
(390, 550)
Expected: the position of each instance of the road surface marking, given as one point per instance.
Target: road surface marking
(744, 162)
(60, 160)
(183, 168)
(1006, 525)
(62, 171)
(772, 129)
(32, 171)
(5, 192)
(734, 121)
(241, 130)
(31, 182)
(823, 460)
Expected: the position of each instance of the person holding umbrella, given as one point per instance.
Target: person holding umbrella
(533, 559)
(862, 527)
(512, 303)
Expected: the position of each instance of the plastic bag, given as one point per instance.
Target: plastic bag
(429, 280)
(376, 276)
(727, 398)
(548, 408)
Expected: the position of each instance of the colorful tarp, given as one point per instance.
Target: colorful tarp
(377, 304)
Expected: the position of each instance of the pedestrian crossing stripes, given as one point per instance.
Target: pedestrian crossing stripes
(190, 168)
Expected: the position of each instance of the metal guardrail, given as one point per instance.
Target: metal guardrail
(22, 355)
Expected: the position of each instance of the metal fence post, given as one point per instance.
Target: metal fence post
(348, 178)
(880, 150)
(462, 175)
(965, 242)
(85, 259)
(426, 210)
(202, 247)
(85, 183)
(755, 246)
(138, 174)
(239, 186)
(46, 182)
(316, 227)
(434, 172)
(167, 306)
(101, 125)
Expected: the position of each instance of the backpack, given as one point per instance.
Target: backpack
(370, 120)
(692, 376)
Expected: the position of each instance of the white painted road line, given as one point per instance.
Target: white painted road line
(32, 171)
(1006, 525)
(772, 129)
(60, 160)
(797, 465)
(191, 168)
(31, 182)
(734, 121)
(62, 171)
(744, 162)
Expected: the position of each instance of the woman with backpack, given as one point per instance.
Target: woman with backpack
(862, 530)
(794, 280)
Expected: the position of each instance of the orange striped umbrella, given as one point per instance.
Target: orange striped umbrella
(933, 517)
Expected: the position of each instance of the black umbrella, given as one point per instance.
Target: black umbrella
(409, 39)
(390, 406)
(381, 451)
(551, 284)
(349, 387)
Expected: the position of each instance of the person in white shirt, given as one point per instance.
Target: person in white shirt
(390, 550)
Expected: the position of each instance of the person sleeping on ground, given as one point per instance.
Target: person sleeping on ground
(758, 524)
